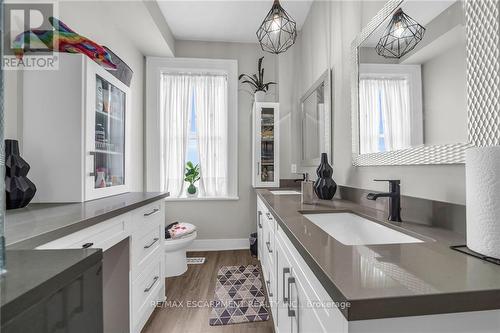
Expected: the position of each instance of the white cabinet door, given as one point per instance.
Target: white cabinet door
(309, 306)
(306, 318)
(265, 145)
(260, 234)
(283, 318)
(107, 143)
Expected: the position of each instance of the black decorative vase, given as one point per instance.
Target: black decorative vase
(324, 186)
(19, 189)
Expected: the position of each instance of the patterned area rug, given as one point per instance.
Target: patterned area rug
(239, 296)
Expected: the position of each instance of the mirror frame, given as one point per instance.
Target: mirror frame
(326, 79)
(482, 27)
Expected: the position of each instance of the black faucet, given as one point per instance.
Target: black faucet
(394, 198)
(305, 177)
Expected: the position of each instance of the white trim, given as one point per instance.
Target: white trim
(155, 66)
(203, 199)
(219, 244)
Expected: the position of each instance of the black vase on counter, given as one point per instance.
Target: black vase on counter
(19, 190)
(325, 187)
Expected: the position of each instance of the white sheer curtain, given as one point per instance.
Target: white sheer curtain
(395, 100)
(389, 99)
(369, 117)
(210, 99)
(175, 107)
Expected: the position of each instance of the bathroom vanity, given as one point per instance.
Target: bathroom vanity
(368, 275)
(128, 228)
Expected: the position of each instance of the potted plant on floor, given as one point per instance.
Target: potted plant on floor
(256, 81)
(191, 176)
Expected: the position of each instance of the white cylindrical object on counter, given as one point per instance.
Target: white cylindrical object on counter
(482, 173)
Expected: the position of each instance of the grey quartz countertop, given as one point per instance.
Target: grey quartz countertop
(37, 224)
(32, 275)
(388, 280)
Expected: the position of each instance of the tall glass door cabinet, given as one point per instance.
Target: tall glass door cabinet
(265, 145)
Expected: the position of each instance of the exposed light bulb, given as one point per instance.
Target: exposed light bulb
(398, 29)
(276, 23)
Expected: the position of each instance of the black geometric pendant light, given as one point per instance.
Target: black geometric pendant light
(278, 31)
(400, 37)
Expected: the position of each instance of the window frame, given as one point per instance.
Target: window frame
(155, 67)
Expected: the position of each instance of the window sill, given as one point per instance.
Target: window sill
(228, 198)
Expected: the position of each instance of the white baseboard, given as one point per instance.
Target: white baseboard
(219, 244)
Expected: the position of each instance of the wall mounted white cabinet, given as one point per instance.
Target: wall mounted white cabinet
(265, 141)
(75, 131)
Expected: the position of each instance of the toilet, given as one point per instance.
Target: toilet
(175, 254)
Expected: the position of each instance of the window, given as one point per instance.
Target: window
(194, 120)
(390, 107)
(193, 154)
(192, 115)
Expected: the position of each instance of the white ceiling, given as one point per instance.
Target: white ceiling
(227, 20)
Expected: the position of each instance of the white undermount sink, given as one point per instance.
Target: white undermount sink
(351, 229)
(284, 192)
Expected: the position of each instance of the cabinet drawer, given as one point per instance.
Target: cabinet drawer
(145, 290)
(148, 215)
(145, 245)
(269, 247)
(268, 237)
(260, 239)
(270, 281)
(102, 235)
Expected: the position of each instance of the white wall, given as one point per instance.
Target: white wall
(227, 219)
(444, 96)
(325, 41)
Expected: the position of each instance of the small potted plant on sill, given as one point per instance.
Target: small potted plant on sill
(191, 176)
(256, 82)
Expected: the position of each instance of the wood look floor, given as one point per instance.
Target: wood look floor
(198, 284)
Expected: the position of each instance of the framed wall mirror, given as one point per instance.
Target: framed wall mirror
(412, 86)
(316, 121)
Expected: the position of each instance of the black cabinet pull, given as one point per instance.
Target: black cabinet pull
(286, 270)
(154, 211)
(291, 313)
(151, 244)
(268, 283)
(268, 245)
(151, 285)
(87, 245)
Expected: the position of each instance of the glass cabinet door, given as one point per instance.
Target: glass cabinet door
(109, 152)
(267, 145)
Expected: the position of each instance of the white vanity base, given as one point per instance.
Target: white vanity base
(288, 276)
